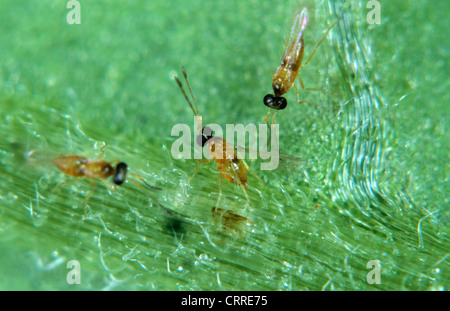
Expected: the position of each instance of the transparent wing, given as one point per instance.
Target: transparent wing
(298, 27)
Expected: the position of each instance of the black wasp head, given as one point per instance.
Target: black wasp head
(206, 135)
(281, 102)
(275, 102)
(121, 173)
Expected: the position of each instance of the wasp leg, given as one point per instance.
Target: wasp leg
(102, 152)
(317, 46)
(111, 187)
(253, 173)
(65, 183)
(220, 190)
(267, 115)
(273, 117)
(196, 166)
(94, 185)
(297, 93)
(311, 89)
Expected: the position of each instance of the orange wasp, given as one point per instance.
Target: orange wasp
(229, 165)
(77, 166)
(81, 167)
(291, 65)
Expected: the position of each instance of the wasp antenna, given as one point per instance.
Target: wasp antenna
(175, 77)
(190, 90)
(183, 71)
(180, 85)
